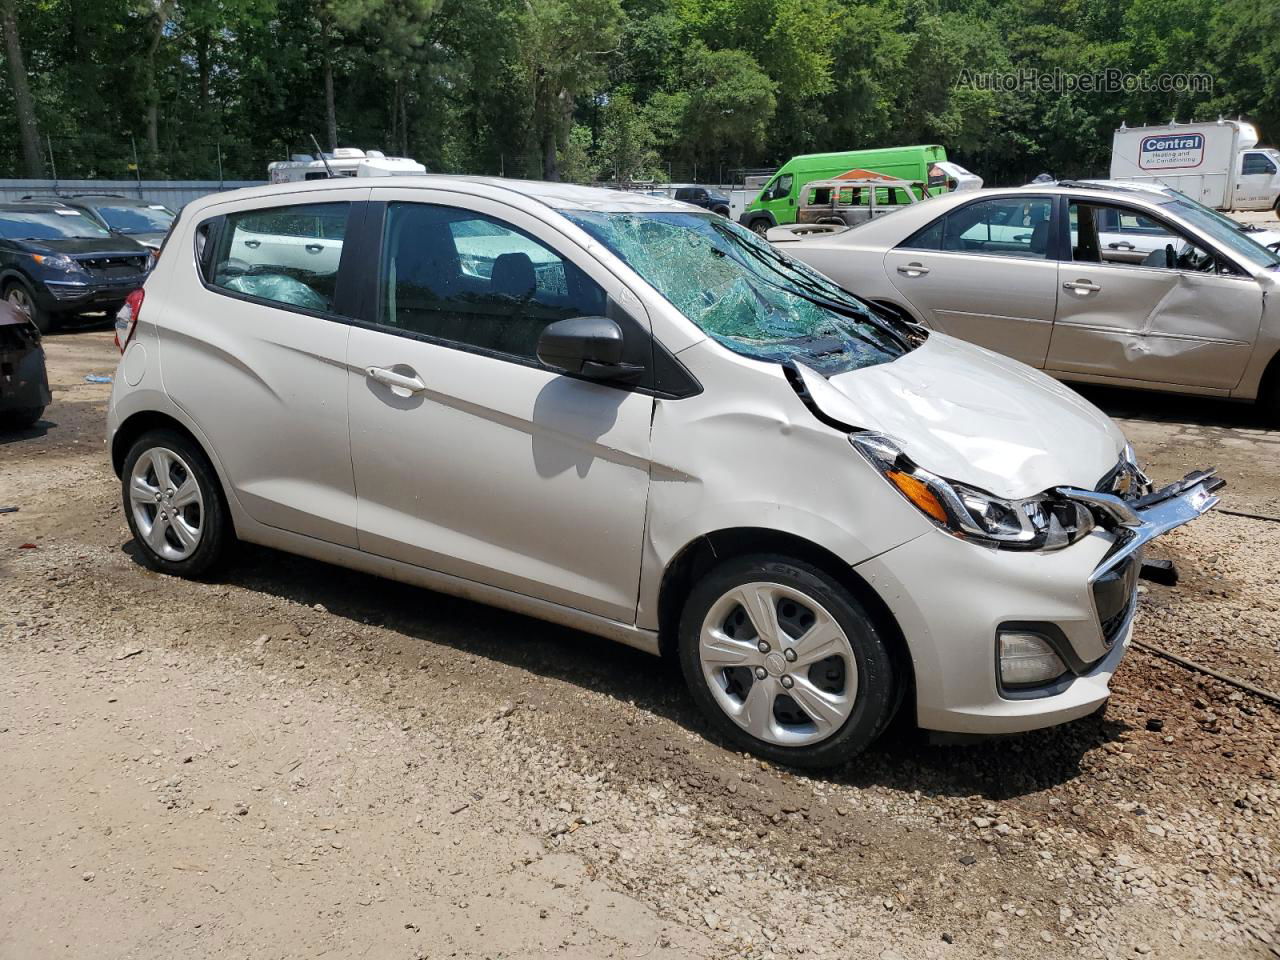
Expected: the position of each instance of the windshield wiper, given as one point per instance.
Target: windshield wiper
(810, 290)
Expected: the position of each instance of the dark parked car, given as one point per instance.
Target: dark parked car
(24, 384)
(140, 220)
(56, 262)
(702, 197)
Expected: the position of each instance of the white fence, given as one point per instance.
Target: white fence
(172, 193)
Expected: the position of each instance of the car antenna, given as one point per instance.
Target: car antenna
(328, 170)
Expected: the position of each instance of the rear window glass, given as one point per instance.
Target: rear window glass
(287, 255)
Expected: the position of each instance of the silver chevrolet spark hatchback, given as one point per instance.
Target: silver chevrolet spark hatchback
(635, 418)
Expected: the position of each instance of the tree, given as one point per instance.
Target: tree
(729, 107)
(564, 46)
(24, 105)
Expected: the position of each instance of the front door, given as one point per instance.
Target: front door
(1179, 317)
(1256, 185)
(986, 272)
(471, 457)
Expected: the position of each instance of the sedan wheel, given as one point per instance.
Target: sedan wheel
(778, 664)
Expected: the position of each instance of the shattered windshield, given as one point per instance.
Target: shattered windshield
(745, 294)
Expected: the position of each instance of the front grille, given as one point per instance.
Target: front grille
(1114, 594)
(111, 268)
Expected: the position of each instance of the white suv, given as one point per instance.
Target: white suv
(636, 419)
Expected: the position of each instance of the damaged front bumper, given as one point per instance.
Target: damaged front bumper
(1081, 600)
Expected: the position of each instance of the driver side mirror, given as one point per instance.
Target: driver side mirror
(589, 347)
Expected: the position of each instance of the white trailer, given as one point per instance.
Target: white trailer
(344, 162)
(1220, 164)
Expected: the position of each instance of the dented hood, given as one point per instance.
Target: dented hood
(972, 415)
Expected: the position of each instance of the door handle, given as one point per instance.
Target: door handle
(913, 269)
(401, 385)
(253, 244)
(314, 247)
(1121, 245)
(1083, 286)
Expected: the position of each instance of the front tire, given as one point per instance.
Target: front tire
(785, 662)
(20, 297)
(174, 505)
(760, 226)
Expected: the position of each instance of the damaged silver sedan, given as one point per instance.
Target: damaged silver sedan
(1090, 283)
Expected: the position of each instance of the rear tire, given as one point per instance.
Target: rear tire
(21, 418)
(174, 505)
(813, 688)
(19, 295)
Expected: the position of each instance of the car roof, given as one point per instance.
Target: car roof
(35, 203)
(909, 218)
(562, 197)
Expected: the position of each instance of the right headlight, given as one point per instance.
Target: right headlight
(1046, 521)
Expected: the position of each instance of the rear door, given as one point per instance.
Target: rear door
(490, 466)
(1181, 317)
(986, 272)
(255, 353)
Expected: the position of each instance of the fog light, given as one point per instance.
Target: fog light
(1027, 659)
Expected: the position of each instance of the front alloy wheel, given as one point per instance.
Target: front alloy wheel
(785, 661)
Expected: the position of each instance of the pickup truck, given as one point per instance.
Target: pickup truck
(702, 197)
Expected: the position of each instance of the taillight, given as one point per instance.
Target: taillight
(127, 318)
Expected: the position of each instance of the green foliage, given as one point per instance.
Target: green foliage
(630, 88)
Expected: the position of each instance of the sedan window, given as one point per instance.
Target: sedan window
(472, 280)
(1004, 227)
(287, 255)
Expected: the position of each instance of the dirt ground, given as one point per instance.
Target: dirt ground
(298, 761)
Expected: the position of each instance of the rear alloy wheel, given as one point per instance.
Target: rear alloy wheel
(785, 661)
(173, 504)
(20, 298)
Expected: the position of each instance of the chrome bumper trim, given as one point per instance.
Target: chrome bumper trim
(1138, 522)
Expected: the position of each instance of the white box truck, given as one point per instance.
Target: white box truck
(1220, 164)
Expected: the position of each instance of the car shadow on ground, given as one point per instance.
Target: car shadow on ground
(33, 432)
(1128, 404)
(904, 759)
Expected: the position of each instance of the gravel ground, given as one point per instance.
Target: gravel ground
(297, 761)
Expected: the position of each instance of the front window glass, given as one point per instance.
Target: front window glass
(1257, 163)
(469, 279)
(52, 224)
(287, 255)
(1098, 236)
(151, 219)
(780, 188)
(745, 294)
(1224, 230)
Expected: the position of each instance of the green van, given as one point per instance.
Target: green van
(779, 199)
